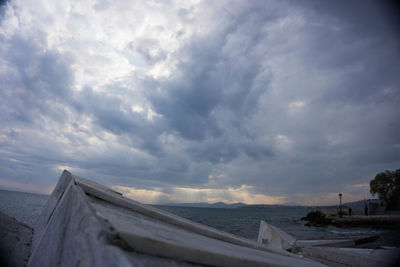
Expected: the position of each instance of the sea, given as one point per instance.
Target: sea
(242, 221)
(24, 207)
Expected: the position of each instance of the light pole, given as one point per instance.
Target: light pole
(340, 206)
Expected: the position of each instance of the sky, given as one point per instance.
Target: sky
(262, 102)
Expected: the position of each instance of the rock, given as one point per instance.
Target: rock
(316, 218)
(15, 242)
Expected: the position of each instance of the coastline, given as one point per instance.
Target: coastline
(13, 227)
(375, 221)
(383, 221)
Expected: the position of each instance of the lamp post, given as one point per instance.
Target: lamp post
(340, 206)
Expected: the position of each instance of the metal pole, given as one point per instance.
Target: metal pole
(340, 206)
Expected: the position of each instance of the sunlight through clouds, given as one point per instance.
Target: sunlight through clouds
(208, 195)
(296, 106)
(142, 195)
(252, 101)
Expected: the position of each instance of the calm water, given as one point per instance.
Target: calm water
(244, 222)
(24, 207)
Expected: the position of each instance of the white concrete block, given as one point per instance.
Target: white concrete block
(273, 237)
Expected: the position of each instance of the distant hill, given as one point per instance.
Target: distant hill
(243, 205)
(269, 206)
(208, 205)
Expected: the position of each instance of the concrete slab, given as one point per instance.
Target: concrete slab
(273, 237)
(87, 224)
(353, 256)
(111, 196)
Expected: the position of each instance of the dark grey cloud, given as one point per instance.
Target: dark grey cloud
(218, 81)
(34, 80)
(284, 97)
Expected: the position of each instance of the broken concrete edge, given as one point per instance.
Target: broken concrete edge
(275, 238)
(70, 226)
(155, 237)
(116, 198)
(102, 192)
(54, 199)
(68, 230)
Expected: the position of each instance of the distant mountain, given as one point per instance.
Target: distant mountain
(208, 205)
(272, 206)
(261, 206)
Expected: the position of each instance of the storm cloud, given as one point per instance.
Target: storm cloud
(257, 101)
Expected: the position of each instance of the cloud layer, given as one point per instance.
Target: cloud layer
(272, 102)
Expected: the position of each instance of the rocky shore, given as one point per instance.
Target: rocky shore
(15, 241)
(376, 221)
(317, 218)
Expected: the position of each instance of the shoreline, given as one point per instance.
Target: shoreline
(18, 236)
(373, 221)
(15, 241)
(20, 226)
(321, 219)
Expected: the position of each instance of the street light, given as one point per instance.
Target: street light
(340, 207)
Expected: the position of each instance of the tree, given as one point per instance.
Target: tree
(387, 186)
